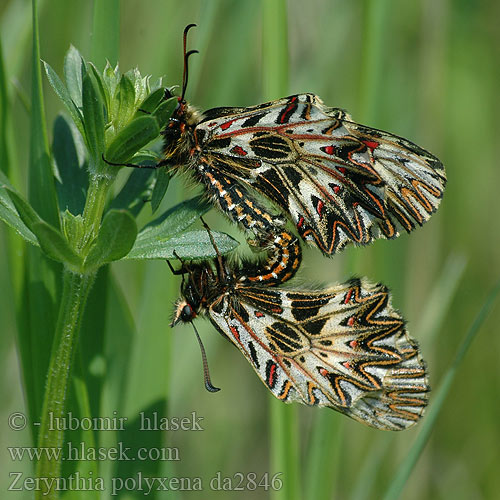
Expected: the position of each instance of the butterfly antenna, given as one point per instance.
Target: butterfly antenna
(219, 256)
(206, 374)
(186, 57)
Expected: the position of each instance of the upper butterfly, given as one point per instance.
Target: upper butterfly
(339, 181)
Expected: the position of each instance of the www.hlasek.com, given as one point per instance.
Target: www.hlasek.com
(79, 452)
(249, 481)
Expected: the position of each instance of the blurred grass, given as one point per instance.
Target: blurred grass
(283, 419)
(438, 79)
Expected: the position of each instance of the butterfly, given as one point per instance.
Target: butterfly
(344, 347)
(339, 181)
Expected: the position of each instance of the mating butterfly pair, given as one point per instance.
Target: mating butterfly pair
(339, 182)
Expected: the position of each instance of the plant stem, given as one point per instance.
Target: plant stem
(94, 207)
(76, 288)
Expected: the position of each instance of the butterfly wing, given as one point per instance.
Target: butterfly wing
(344, 348)
(340, 181)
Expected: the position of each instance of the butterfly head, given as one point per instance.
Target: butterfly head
(184, 312)
(178, 133)
(194, 293)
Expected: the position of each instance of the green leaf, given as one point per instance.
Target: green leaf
(161, 185)
(116, 237)
(73, 227)
(151, 102)
(125, 101)
(10, 216)
(194, 244)
(51, 240)
(103, 89)
(132, 138)
(176, 219)
(26, 212)
(145, 157)
(69, 155)
(74, 68)
(93, 116)
(63, 94)
(111, 78)
(141, 85)
(165, 110)
(134, 194)
(55, 245)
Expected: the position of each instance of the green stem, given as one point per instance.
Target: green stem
(76, 288)
(94, 207)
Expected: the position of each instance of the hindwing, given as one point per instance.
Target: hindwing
(344, 347)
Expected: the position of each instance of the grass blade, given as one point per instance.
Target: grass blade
(375, 14)
(429, 421)
(323, 458)
(283, 419)
(41, 288)
(106, 33)
(438, 304)
(41, 187)
(4, 152)
(274, 49)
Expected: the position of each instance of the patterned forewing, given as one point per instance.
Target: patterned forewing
(339, 181)
(344, 347)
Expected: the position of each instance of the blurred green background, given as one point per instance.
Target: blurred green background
(426, 70)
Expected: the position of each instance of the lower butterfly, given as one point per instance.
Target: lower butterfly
(343, 347)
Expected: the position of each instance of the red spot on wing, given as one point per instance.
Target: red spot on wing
(277, 310)
(336, 189)
(341, 170)
(272, 374)
(226, 125)
(371, 144)
(323, 372)
(239, 151)
(329, 150)
(319, 207)
(348, 297)
(300, 223)
(350, 321)
(259, 314)
(354, 344)
(290, 108)
(347, 365)
(235, 332)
